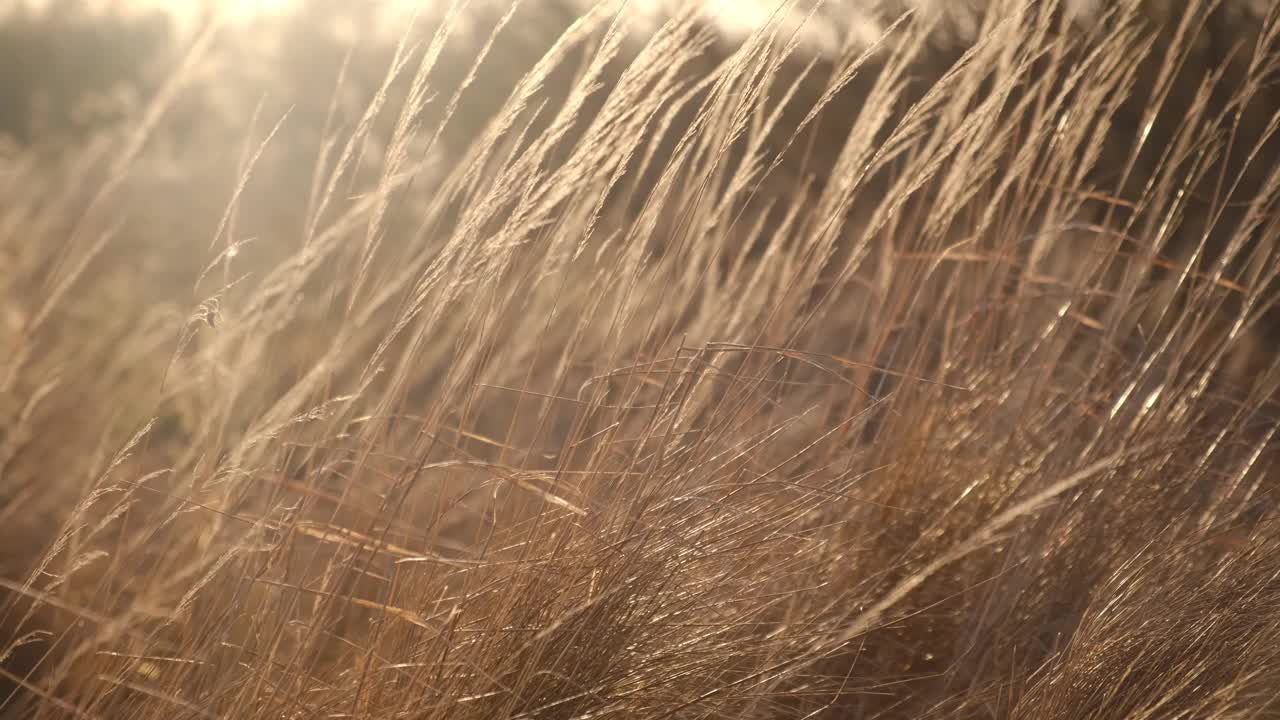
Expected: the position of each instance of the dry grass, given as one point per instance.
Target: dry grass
(694, 379)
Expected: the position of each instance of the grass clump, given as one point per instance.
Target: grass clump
(674, 375)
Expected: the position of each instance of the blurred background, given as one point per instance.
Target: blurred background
(70, 65)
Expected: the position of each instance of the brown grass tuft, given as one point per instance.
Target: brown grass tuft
(608, 370)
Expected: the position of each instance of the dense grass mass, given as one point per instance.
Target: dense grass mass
(574, 366)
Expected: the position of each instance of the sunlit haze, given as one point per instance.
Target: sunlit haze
(734, 17)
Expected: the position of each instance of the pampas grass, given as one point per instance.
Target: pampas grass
(657, 373)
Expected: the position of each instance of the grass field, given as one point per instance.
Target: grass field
(551, 363)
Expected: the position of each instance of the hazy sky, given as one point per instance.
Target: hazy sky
(734, 16)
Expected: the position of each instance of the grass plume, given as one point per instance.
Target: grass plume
(677, 374)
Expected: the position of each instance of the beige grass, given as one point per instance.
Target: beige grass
(698, 380)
